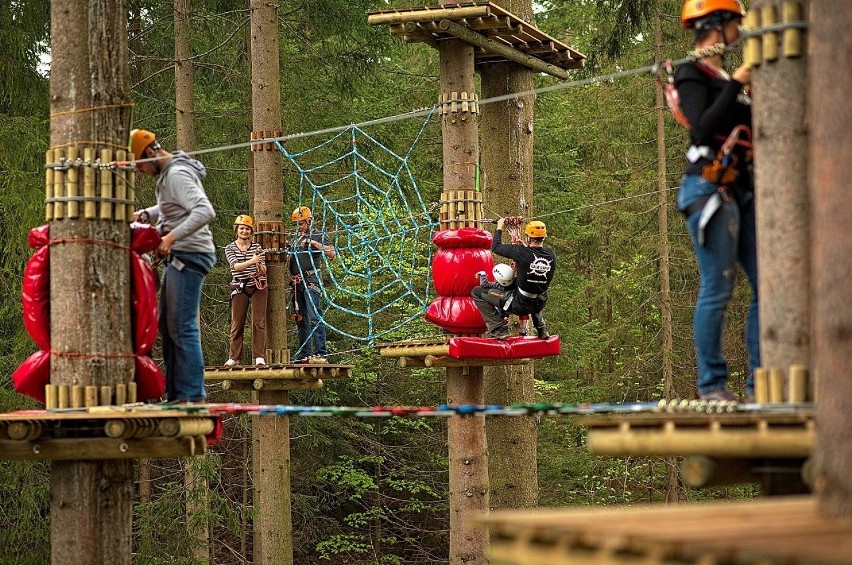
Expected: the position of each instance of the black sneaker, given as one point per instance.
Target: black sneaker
(499, 332)
(542, 333)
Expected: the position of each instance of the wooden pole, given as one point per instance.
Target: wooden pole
(468, 472)
(507, 189)
(273, 525)
(91, 502)
(432, 15)
(830, 166)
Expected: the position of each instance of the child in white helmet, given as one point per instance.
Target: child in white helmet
(498, 293)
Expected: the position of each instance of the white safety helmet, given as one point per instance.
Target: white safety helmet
(503, 274)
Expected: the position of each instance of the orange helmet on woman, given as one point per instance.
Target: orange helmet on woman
(244, 220)
(140, 140)
(694, 10)
(536, 229)
(301, 214)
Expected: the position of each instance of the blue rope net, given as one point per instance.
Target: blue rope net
(365, 200)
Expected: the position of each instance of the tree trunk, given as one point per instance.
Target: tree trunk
(507, 162)
(273, 525)
(468, 468)
(667, 349)
(830, 168)
(91, 501)
(781, 169)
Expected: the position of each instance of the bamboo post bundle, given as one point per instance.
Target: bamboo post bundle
(48, 184)
(120, 187)
(89, 207)
(751, 49)
(769, 16)
(797, 384)
(58, 186)
(792, 37)
(106, 187)
(72, 188)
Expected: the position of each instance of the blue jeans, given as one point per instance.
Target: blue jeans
(729, 238)
(311, 330)
(179, 302)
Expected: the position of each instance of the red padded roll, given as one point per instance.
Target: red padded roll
(457, 314)
(150, 382)
(39, 237)
(144, 297)
(463, 237)
(35, 297)
(144, 238)
(33, 375)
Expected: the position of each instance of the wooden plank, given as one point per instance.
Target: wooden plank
(426, 14)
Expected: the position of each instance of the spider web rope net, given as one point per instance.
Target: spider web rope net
(365, 200)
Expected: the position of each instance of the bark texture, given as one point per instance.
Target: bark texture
(781, 174)
(830, 168)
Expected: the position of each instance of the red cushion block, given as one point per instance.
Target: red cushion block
(511, 348)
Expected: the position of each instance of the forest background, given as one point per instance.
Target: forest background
(375, 491)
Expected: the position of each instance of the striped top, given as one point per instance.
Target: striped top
(234, 255)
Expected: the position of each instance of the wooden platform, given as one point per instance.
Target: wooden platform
(435, 353)
(497, 26)
(771, 433)
(788, 530)
(103, 432)
(297, 376)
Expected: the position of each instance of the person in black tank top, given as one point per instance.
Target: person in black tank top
(716, 193)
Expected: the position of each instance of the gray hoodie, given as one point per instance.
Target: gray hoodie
(182, 205)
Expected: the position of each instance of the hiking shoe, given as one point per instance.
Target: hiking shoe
(543, 333)
(499, 332)
(260, 361)
(720, 394)
(231, 362)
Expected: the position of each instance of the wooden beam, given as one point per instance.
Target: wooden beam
(90, 449)
(510, 53)
(414, 350)
(428, 15)
(444, 361)
(698, 471)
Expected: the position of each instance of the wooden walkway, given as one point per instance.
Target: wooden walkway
(772, 531)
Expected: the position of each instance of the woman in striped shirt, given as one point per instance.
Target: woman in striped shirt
(248, 279)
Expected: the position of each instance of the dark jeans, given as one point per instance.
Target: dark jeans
(180, 298)
(311, 329)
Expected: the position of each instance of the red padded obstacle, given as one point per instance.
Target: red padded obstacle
(511, 348)
(454, 270)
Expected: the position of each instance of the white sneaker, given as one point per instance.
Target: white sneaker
(231, 363)
(260, 361)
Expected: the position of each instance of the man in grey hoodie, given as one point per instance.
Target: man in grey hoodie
(182, 214)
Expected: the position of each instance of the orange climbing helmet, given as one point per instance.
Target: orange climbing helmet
(536, 229)
(694, 10)
(140, 140)
(301, 214)
(244, 220)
